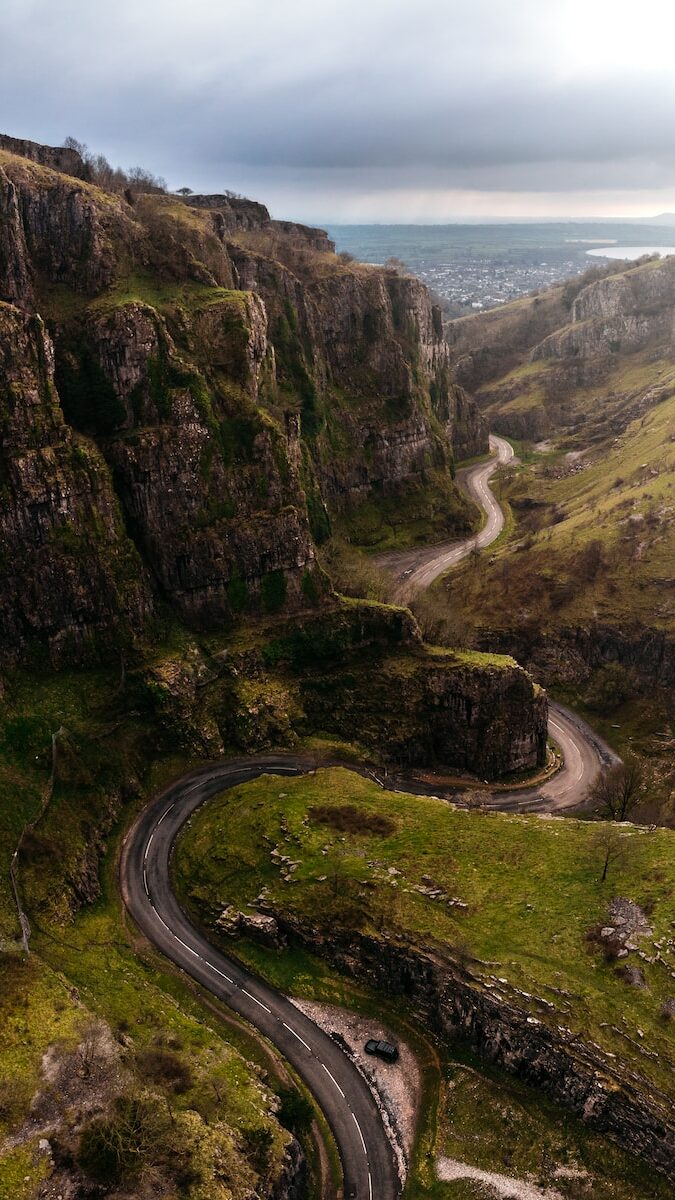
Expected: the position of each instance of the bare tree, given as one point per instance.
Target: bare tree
(611, 845)
(617, 790)
(72, 143)
(94, 1035)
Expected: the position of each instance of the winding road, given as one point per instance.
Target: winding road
(417, 569)
(584, 752)
(341, 1091)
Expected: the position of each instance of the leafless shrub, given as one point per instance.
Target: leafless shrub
(114, 179)
(617, 791)
(610, 846)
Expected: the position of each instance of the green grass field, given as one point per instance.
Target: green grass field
(531, 887)
(619, 501)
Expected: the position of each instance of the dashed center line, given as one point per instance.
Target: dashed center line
(221, 973)
(256, 1001)
(331, 1076)
(360, 1133)
(297, 1035)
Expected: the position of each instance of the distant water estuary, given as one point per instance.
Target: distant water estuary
(630, 253)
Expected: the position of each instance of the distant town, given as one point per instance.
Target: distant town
(480, 283)
(473, 267)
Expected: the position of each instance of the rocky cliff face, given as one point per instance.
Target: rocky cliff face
(58, 158)
(527, 362)
(487, 717)
(458, 1006)
(211, 487)
(73, 581)
(363, 352)
(622, 313)
(227, 396)
(179, 430)
(570, 654)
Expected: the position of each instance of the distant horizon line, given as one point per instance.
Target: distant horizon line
(649, 221)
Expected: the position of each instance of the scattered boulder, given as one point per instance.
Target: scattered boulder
(260, 927)
(633, 976)
(627, 923)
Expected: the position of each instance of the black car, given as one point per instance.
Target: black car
(386, 1050)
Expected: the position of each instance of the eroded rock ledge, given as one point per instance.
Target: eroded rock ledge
(614, 1101)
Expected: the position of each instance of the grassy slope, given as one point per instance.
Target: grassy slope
(531, 886)
(497, 864)
(624, 495)
(94, 964)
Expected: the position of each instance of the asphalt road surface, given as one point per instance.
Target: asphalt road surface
(584, 753)
(342, 1093)
(415, 570)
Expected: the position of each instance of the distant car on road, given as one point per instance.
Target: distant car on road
(386, 1050)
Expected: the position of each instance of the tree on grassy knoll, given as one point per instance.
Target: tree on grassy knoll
(611, 846)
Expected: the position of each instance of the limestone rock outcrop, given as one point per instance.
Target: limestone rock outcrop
(232, 392)
(73, 582)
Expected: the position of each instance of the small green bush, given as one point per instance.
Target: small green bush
(295, 1111)
(237, 592)
(273, 591)
(309, 588)
(257, 1147)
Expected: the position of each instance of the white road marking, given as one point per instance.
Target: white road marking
(161, 919)
(165, 814)
(147, 848)
(331, 1076)
(145, 883)
(297, 1035)
(360, 1134)
(257, 1001)
(370, 1186)
(185, 946)
(221, 973)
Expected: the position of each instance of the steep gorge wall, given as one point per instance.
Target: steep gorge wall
(614, 1101)
(571, 653)
(58, 158)
(623, 312)
(239, 393)
(527, 362)
(72, 579)
(363, 350)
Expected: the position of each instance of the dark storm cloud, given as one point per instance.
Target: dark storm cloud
(491, 95)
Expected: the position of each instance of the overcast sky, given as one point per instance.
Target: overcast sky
(361, 110)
